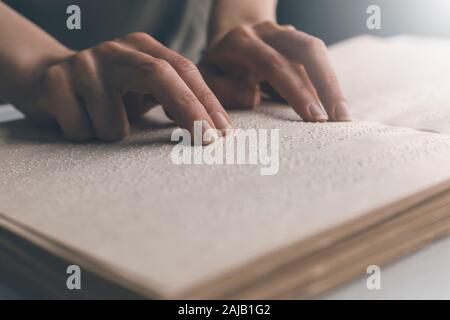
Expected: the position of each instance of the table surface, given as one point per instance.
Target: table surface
(422, 275)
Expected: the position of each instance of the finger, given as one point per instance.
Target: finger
(139, 72)
(108, 114)
(137, 104)
(289, 26)
(233, 93)
(300, 69)
(187, 71)
(103, 102)
(302, 48)
(266, 87)
(68, 111)
(245, 48)
(74, 120)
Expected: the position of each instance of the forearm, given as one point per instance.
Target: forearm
(228, 14)
(24, 48)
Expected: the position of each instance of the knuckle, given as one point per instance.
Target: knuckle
(277, 64)
(331, 83)
(155, 66)
(332, 80)
(85, 72)
(107, 47)
(242, 33)
(183, 64)
(207, 97)
(85, 62)
(268, 24)
(314, 43)
(138, 37)
(187, 99)
(289, 27)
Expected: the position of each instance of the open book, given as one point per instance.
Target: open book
(346, 195)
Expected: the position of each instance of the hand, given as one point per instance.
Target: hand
(294, 64)
(93, 93)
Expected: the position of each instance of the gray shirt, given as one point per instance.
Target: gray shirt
(179, 24)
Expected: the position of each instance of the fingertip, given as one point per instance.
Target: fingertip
(342, 112)
(221, 122)
(209, 134)
(203, 133)
(317, 113)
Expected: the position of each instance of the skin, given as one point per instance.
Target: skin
(95, 93)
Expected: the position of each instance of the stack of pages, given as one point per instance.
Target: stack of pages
(345, 196)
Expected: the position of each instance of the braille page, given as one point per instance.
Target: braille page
(130, 206)
(401, 81)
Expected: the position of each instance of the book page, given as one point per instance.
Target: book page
(401, 81)
(129, 205)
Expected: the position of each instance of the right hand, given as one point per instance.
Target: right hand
(94, 92)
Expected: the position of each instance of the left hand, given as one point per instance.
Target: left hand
(293, 65)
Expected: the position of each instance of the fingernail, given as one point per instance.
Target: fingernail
(209, 133)
(317, 113)
(221, 122)
(342, 112)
